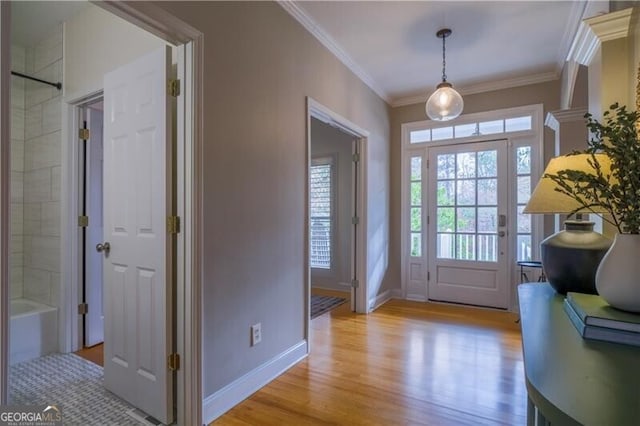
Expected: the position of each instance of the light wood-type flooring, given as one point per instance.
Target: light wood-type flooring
(407, 363)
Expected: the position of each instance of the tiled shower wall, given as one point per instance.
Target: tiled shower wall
(41, 172)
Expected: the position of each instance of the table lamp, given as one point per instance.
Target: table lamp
(570, 258)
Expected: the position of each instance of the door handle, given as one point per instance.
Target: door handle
(103, 247)
(501, 234)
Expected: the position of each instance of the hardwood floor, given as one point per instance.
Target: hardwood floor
(407, 363)
(94, 354)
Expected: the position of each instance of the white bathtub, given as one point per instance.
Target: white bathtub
(33, 330)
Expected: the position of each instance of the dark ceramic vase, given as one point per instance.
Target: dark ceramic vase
(570, 258)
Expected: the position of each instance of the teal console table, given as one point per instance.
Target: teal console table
(570, 380)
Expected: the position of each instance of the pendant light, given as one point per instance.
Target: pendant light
(445, 103)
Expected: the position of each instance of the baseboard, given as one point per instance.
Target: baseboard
(396, 293)
(226, 398)
(380, 299)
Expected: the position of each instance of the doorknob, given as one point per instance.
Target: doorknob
(100, 247)
(500, 234)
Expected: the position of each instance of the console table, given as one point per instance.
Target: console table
(570, 380)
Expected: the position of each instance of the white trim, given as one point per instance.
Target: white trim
(489, 86)
(379, 300)
(554, 118)
(332, 46)
(321, 112)
(5, 149)
(226, 398)
(188, 198)
(533, 137)
(574, 21)
(396, 293)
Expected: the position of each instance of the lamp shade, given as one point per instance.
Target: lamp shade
(445, 103)
(545, 198)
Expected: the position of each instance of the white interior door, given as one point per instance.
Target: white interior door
(137, 173)
(468, 190)
(94, 319)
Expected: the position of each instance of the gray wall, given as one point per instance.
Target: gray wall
(259, 66)
(329, 141)
(547, 94)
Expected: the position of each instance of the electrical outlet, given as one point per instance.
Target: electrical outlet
(256, 334)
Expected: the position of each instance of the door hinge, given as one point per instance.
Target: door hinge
(173, 224)
(428, 219)
(83, 309)
(355, 283)
(173, 362)
(84, 134)
(174, 88)
(356, 158)
(355, 220)
(83, 221)
(428, 276)
(427, 164)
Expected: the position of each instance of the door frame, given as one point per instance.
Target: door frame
(533, 138)
(189, 199)
(359, 243)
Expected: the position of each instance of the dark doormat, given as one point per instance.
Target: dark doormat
(322, 304)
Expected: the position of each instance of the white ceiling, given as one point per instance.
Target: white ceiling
(31, 21)
(392, 45)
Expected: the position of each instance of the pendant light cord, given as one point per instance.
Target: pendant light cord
(444, 62)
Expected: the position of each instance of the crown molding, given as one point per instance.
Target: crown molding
(555, 118)
(596, 30)
(327, 41)
(577, 14)
(489, 86)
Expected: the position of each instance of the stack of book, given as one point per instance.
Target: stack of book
(595, 319)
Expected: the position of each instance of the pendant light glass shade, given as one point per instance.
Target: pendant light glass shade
(445, 103)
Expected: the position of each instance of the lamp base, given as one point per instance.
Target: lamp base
(570, 258)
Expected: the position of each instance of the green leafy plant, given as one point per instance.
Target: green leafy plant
(616, 191)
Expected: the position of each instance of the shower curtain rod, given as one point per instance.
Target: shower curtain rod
(28, 77)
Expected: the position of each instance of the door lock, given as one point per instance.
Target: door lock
(502, 220)
(501, 234)
(103, 247)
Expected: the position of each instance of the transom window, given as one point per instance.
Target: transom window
(474, 129)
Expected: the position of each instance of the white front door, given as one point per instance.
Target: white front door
(94, 320)
(137, 267)
(467, 223)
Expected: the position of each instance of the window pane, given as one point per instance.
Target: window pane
(466, 165)
(487, 192)
(416, 168)
(491, 127)
(446, 195)
(517, 124)
(523, 160)
(488, 163)
(487, 248)
(524, 189)
(446, 166)
(416, 219)
(466, 219)
(445, 246)
(320, 208)
(465, 246)
(524, 247)
(416, 244)
(524, 221)
(321, 243)
(487, 220)
(466, 192)
(445, 219)
(465, 130)
(416, 193)
(417, 136)
(442, 133)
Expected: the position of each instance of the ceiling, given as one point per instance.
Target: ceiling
(31, 21)
(392, 46)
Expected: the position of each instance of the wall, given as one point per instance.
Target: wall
(259, 67)
(42, 147)
(96, 42)
(545, 93)
(329, 141)
(16, 256)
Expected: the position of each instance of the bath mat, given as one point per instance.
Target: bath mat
(322, 304)
(72, 383)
